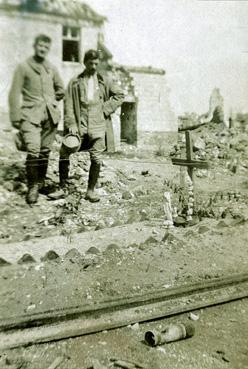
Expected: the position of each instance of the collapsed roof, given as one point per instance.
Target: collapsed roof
(64, 8)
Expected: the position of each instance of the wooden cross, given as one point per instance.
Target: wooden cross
(189, 162)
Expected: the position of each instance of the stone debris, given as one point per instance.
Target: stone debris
(199, 144)
(203, 229)
(193, 316)
(50, 256)
(169, 237)
(96, 364)
(221, 224)
(93, 250)
(150, 240)
(127, 195)
(4, 262)
(135, 327)
(125, 364)
(72, 254)
(26, 258)
(57, 362)
(113, 247)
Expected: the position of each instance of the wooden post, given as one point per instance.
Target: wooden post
(189, 162)
(189, 153)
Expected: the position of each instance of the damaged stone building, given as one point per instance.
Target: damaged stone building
(145, 118)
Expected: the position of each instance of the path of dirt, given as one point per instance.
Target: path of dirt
(206, 251)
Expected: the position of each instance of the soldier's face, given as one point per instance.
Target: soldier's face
(41, 49)
(91, 65)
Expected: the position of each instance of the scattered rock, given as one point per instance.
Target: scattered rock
(112, 247)
(133, 217)
(27, 237)
(16, 363)
(127, 195)
(237, 222)
(96, 364)
(203, 229)
(20, 188)
(139, 191)
(26, 258)
(133, 246)
(117, 223)
(144, 215)
(72, 254)
(50, 255)
(109, 222)
(4, 262)
(80, 229)
(93, 250)
(9, 186)
(179, 221)
(221, 354)
(199, 144)
(202, 173)
(195, 220)
(150, 240)
(193, 316)
(190, 234)
(221, 224)
(145, 172)
(100, 225)
(169, 237)
(135, 327)
(132, 178)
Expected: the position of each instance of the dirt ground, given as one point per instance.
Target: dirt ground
(121, 247)
(220, 342)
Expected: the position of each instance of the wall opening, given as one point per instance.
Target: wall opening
(71, 44)
(129, 122)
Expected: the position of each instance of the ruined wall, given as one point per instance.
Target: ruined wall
(156, 122)
(17, 32)
(154, 110)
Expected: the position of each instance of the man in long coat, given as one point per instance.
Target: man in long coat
(90, 99)
(41, 87)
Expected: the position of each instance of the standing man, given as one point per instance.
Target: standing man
(89, 101)
(41, 87)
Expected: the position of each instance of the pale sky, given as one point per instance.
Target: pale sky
(201, 44)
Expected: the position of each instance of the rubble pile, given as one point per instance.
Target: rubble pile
(221, 146)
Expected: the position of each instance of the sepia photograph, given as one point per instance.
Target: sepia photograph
(124, 184)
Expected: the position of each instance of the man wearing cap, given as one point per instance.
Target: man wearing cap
(41, 87)
(90, 100)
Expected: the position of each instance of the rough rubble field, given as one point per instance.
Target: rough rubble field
(121, 246)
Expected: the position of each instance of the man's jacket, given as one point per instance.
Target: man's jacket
(110, 98)
(41, 88)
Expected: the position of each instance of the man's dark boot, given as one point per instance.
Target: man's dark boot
(32, 178)
(64, 165)
(93, 177)
(42, 171)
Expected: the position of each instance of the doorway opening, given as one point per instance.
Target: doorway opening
(129, 122)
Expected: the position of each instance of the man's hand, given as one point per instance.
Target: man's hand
(73, 130)
(16, 124)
